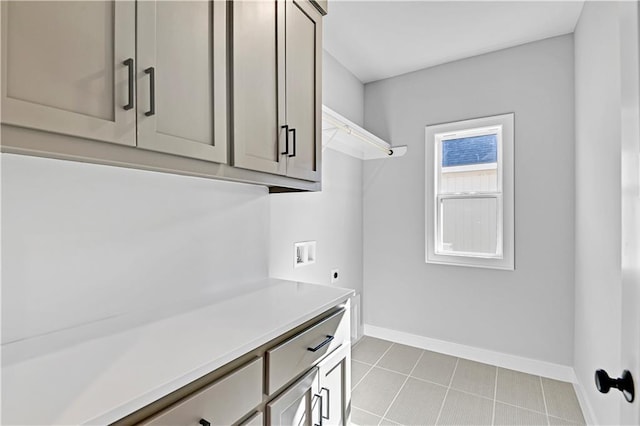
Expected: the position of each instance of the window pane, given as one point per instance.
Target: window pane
(469, 165)
(472, 150)
(469, 181)
(469, 225)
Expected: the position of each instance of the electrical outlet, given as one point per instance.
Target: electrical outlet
(335, 275)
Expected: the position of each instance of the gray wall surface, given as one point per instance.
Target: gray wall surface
(598, 197)
(332, 217)
(528, 312)
(341, 90)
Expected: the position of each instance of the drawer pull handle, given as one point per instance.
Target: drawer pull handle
(326, 342)
(203, 422)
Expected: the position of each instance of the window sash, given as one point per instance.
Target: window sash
(481, 131)
(439, 225)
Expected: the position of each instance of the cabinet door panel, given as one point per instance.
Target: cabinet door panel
(258, 88)
(62, 67)
(296, 405)
(185, 43)
(335, 386)
(303, 75)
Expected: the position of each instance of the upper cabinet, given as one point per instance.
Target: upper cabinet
(65, 68)
(177, 86)
(182, 78)
(277, 74)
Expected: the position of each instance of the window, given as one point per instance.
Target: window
(469, 193)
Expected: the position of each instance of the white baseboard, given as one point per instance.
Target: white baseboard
(560, 372)
(587, 409)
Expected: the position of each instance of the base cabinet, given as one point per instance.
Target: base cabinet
(300, 404)
(275, 384)
(334, 387)
(213, 405)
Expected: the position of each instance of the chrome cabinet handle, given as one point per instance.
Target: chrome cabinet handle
(325, 342)
(129, 63)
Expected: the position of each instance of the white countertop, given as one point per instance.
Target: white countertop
(103, 379)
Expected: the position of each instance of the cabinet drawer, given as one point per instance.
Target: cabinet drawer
(302, 351)
(222, 403)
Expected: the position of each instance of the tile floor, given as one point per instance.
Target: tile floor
(397, 384)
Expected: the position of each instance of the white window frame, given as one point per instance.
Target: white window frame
(503, 127)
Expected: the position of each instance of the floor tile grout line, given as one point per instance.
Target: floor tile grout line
(523, 408)
(384, 416)
(384, 353)
(476, 395)
(376, 365)
(544, 399)
(372, 365)
(365, 411)
(495, 394)
(353, 387)
(448, 389)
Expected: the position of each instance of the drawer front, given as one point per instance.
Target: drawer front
(222, 403)
(302, 351)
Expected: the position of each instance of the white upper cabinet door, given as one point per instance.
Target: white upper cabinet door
(259, 118)
(304, 89)
(182, 78)
(64, 68)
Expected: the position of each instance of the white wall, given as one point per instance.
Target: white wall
(83, 242)
(527, 312)
(341, 90)
(332, 217)
(598, 215)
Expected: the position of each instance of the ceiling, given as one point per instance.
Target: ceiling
(381, 39)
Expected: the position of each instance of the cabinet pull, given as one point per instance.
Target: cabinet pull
(328, 402)
(286, 139)
(326, 341)
(152, 91)
(321, 416)
(294, 143)
(129, 63)
(203, 422)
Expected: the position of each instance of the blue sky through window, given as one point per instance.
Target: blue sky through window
(472, 150)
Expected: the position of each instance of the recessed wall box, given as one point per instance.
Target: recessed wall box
(304, 253)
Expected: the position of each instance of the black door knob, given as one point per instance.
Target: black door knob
(624, 384)
(204, 422)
